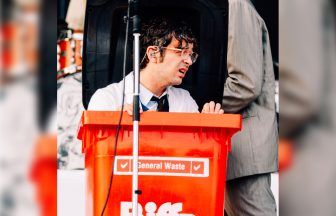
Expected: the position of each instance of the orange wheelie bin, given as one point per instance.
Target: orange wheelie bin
(182, 162)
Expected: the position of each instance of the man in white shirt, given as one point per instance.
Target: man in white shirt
(169, 52)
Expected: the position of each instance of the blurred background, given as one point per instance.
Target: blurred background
(27, 101)
(41, 97)
(307, 53)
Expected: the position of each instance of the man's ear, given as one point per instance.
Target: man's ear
(151, 53)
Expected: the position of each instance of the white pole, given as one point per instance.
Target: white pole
(135, 126)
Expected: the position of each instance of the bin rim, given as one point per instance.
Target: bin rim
(229, 121)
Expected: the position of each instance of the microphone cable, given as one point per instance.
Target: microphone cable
(121, 112)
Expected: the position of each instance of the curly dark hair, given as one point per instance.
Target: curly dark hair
(160, 31)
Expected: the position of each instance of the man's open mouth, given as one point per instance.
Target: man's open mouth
(182, 71)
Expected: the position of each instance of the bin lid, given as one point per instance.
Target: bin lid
(105, 118)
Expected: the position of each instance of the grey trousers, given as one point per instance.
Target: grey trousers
(250, 195)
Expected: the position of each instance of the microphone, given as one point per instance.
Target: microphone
(135, 14)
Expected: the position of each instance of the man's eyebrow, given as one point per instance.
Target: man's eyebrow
(181, 47)
(186, 47)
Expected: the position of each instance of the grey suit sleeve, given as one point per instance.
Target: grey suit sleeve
(244, 57)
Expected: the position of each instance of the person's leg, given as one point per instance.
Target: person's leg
(250, 195)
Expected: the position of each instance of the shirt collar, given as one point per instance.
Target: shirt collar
(146, 95)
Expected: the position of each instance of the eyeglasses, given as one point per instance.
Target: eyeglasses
(184, 53)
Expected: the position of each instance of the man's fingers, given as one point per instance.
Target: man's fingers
(130, 112)
(129, 108)
(217, 108)
(212, 106)
(206, 108)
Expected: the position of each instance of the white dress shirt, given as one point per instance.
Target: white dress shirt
(110, 98)
(146, 96)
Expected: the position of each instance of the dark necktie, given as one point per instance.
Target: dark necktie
(163, 105)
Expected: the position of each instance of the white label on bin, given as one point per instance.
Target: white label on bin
(163, 166)
(151, 209)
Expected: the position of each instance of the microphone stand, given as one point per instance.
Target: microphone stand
(134, 4)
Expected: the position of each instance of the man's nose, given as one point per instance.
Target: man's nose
(187, 59)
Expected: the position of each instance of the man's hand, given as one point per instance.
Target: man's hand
(213, 108)
(129, 109)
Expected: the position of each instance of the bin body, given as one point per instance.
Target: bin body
(182, 168)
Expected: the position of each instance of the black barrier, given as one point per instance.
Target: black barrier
(104, 42)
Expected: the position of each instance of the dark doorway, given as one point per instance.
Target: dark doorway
(105, 35)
